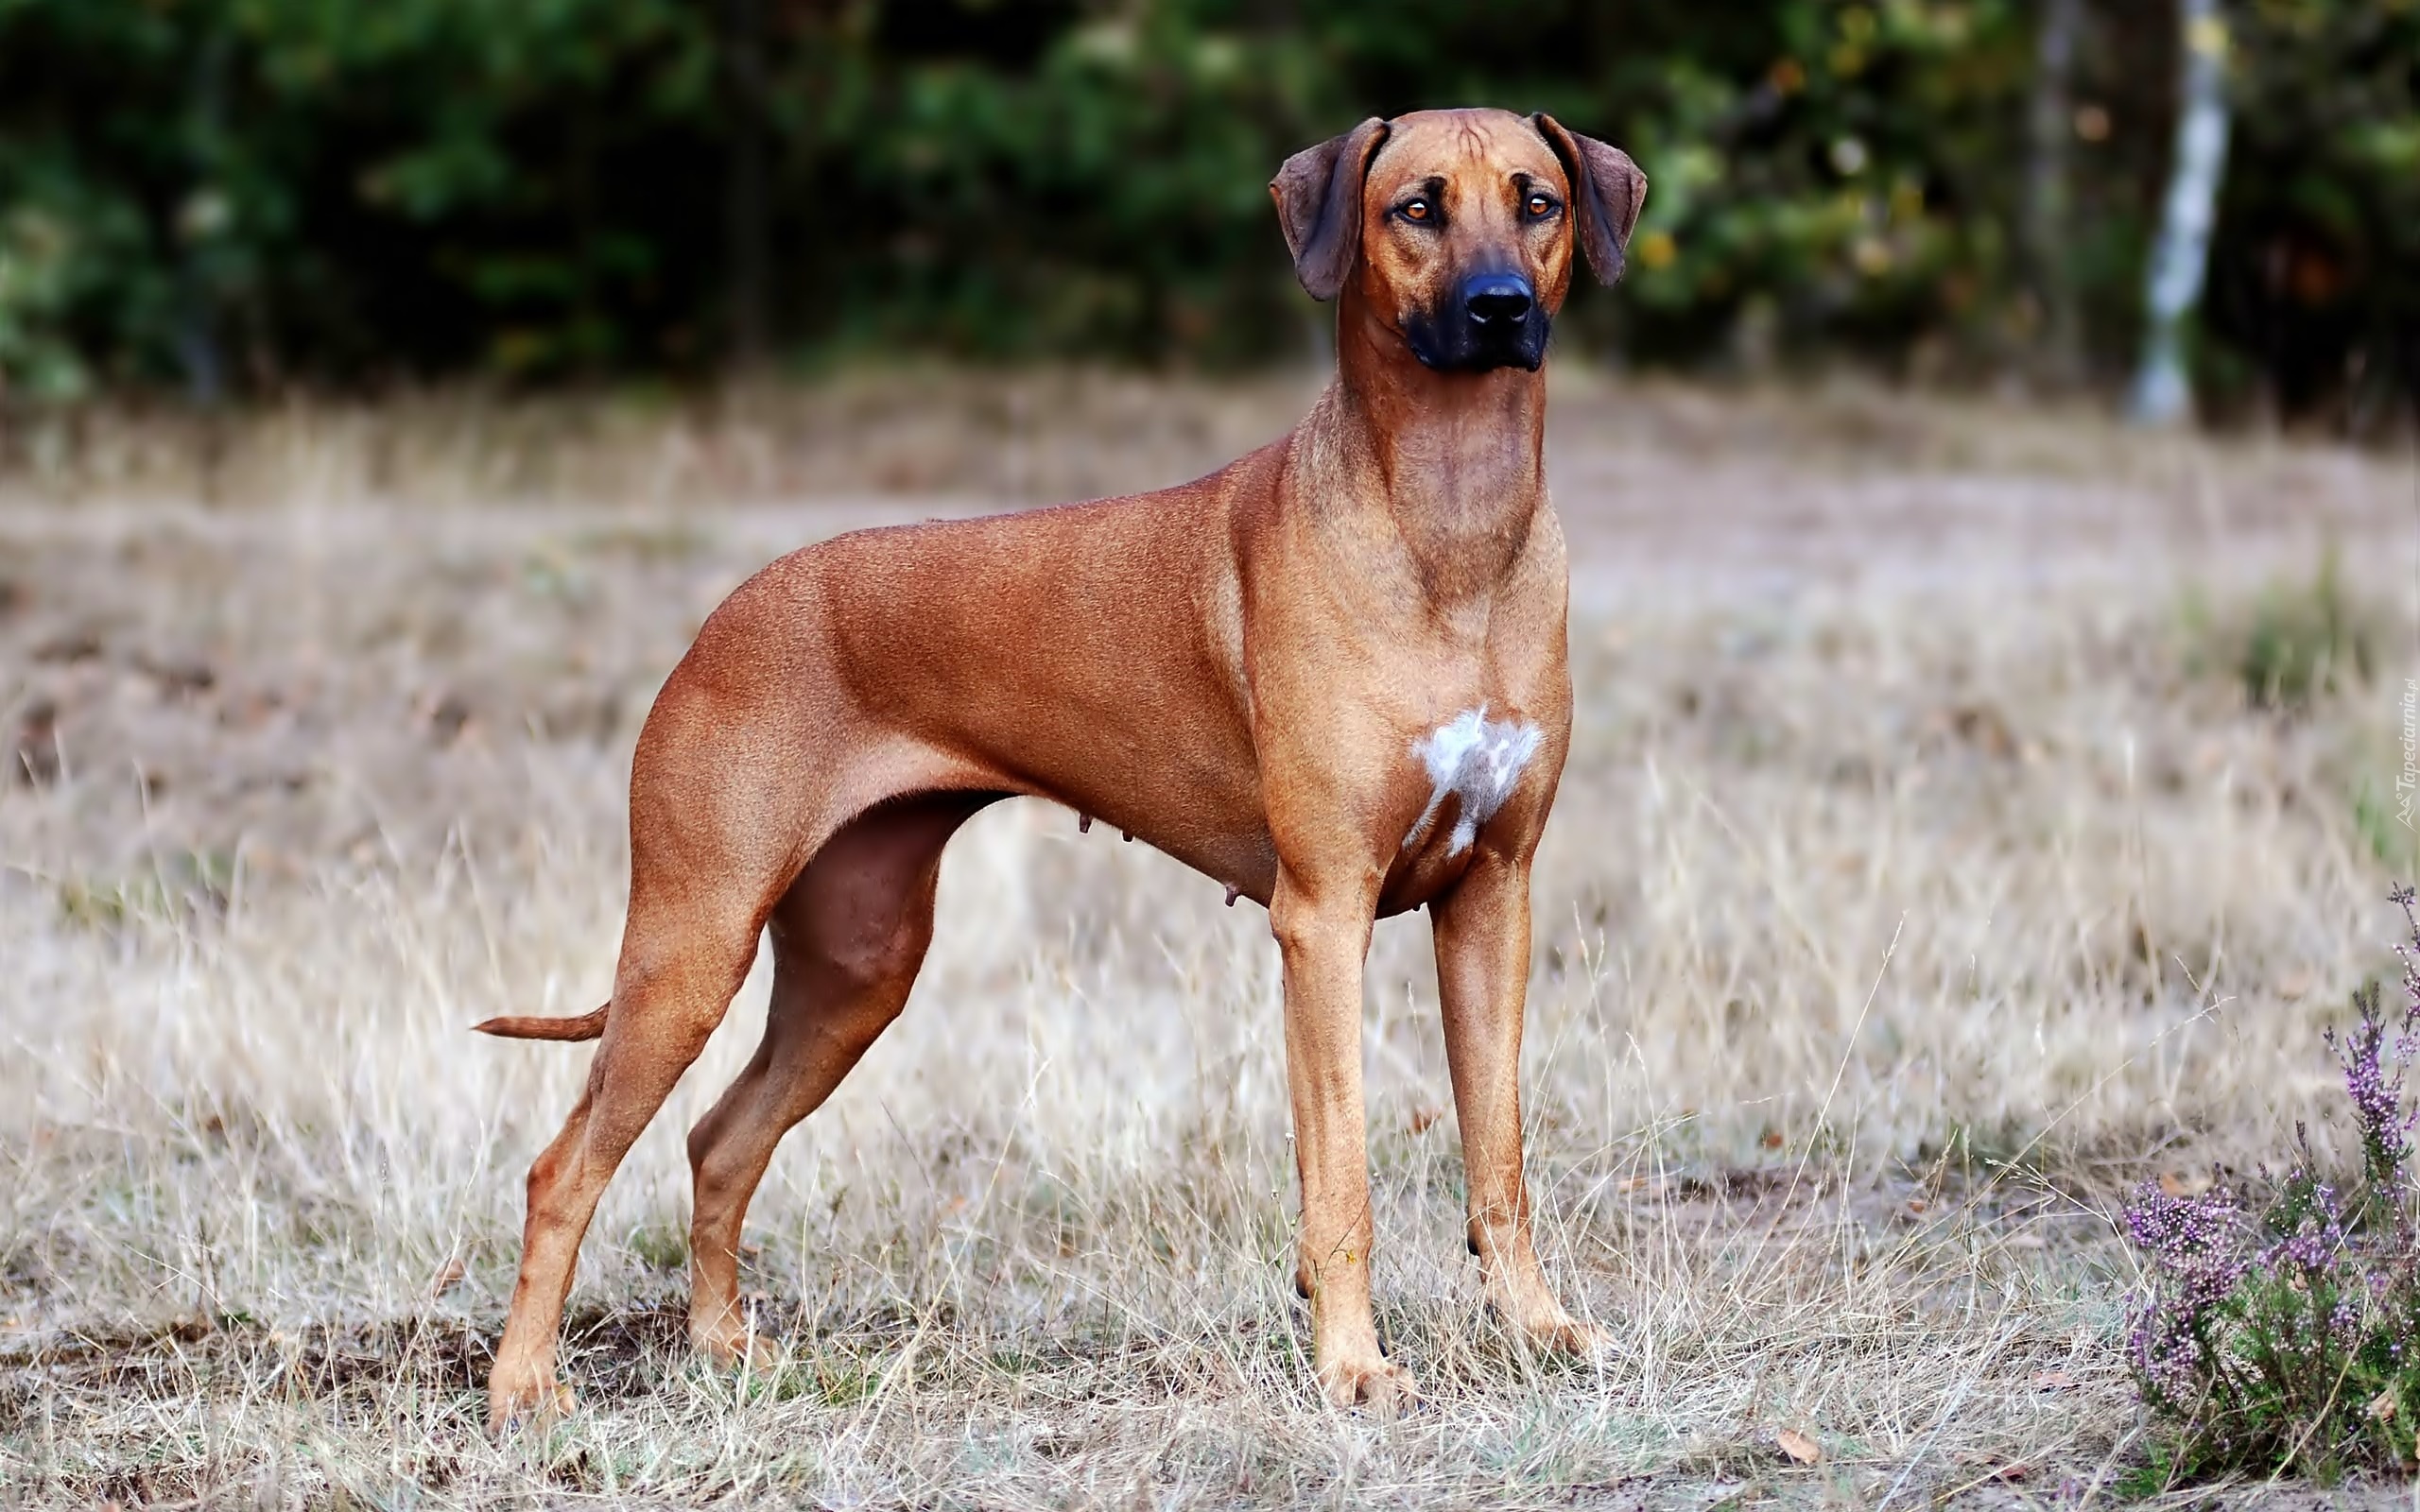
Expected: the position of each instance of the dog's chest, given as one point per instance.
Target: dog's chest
(1474, 762)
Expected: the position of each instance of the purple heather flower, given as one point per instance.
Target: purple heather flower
(2250, 1325)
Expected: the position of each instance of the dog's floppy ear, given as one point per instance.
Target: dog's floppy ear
(1318, 204)
(1607, 193)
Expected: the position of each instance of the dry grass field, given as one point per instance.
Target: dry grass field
(1947, 844)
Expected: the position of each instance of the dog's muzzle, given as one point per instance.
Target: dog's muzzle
(1492, 321)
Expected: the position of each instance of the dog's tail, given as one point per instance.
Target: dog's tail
(586, 1026)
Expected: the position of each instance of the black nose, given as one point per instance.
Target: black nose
(1499, 301)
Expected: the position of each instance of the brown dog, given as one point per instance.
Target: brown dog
(1331, 676)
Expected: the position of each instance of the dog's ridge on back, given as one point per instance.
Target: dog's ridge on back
(1331, 676)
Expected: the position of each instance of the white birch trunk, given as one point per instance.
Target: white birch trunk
(2162, 395)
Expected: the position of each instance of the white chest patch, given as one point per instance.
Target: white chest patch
(1478, 760)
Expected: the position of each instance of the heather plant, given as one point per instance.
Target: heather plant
(2283, 1337)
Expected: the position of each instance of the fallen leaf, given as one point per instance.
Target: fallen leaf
(1801, 1449)
(1424, 1116)
(449, 1277)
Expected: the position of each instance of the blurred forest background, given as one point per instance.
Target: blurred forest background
(227, 199)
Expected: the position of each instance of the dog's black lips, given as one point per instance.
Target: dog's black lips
(1436, 347)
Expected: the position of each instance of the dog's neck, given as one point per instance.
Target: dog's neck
(1461, 453)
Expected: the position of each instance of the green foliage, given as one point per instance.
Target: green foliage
(1849, 190)
(2291, 644)
(2375, 821)
(178, 887)
(662, 1247)
(36, 270)
(276, 185)
(2305, 641)
(233, 194)
(2315, 277)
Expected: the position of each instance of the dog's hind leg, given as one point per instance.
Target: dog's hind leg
(698, 898)
(848, 939)
(659, 1019)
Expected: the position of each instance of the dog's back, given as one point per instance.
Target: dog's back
(1135, 712)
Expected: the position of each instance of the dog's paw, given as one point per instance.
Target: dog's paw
(1565, 1334)
(1373, 1384)
(528, 1406)
(1533, 1315)
(740, 1348)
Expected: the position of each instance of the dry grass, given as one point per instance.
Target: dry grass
(1923, 875)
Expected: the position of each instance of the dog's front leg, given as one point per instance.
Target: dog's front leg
(1482, 936)
(1324, 931)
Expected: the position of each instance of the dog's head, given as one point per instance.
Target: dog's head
(1456, 227)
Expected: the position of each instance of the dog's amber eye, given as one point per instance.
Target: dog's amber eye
(1415, 210)
(1540, 207)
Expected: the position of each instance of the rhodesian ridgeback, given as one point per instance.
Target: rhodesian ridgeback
(1331, 676)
